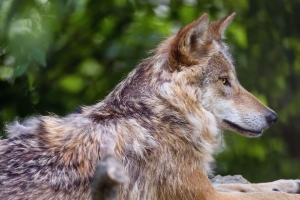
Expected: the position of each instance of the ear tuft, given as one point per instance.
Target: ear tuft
(218, 27)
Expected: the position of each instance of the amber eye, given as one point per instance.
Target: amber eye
(225, 81)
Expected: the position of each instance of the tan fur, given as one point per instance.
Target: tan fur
(163, 121)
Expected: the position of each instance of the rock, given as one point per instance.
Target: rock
(228, 179)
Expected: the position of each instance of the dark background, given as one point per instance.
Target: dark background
(56, 55)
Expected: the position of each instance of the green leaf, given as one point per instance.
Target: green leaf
(133, 3)
(39, 56)
(72, 83)
(20, 70)
(6, 72)
(240, 34)
(30, 78)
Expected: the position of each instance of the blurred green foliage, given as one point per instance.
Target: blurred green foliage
(58, 54)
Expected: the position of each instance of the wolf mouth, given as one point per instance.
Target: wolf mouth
(241, 129)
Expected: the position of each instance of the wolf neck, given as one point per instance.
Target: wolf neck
(152, 108)
(159, 131)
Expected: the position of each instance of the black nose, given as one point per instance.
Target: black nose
(271, 118)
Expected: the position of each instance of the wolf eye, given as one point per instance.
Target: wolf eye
(225, 81)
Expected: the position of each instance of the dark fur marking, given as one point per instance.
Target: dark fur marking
(23, 186)
(124, 110)
(43, 172)
(77, 183)
(36, 167)
(75, 165)
(275, 189)
(298, 188)
(98, 118)
(16, 165)
(9, 150)
(25, 136)
(37, 158)
(10, 140)
(56, 187)
(60, 167)
(82, 182)
(11, 174)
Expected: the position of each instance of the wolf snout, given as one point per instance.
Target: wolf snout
(271, 118)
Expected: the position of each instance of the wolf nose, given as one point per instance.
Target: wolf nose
(271, 118)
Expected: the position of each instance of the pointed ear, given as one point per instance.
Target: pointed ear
(191, 43)
(218, 27)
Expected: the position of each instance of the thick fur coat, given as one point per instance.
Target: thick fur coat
(163, 122)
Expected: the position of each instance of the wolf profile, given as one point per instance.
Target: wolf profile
(163, 122)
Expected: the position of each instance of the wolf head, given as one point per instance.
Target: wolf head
(204, 76)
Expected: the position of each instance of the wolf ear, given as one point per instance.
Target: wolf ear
(218, 27)
(191, 43)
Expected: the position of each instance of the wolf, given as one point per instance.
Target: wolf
(163, 122)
